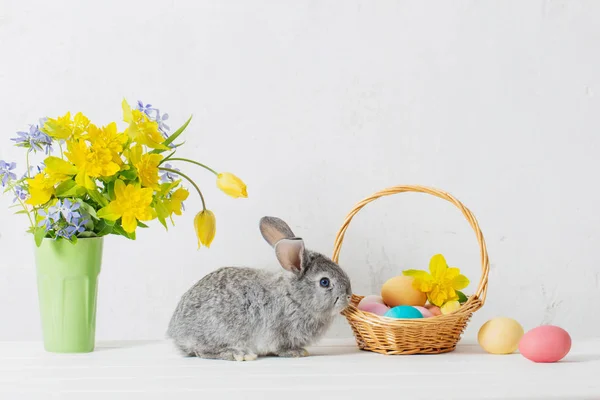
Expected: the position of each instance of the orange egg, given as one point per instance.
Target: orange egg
(399, 291)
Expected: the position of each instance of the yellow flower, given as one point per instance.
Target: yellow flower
(141, 129)
(173, 204)
(146, 165)
(41, 189)
(91, 162)
(108, 138)
(65, 128)
(206, 227)
(131, 204)
(231, 185)
(442, 282)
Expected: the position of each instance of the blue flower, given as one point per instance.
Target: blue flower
(162, 127)
(5, 174)
(20, 194)
(79, 224)
(66, 208)
(67, 232)
(146, 109)
(47, 222)
(35, 140)
(167, 176)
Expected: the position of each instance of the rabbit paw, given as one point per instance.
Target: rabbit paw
(293, 353)
(237, 355)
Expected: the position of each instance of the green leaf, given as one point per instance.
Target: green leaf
(64, 189)
(103, 228)
(98, 197)
(461, 297)
(39, 234)
(21, 212)
(111, 190)
(141, 224)
(87, 234)
(174, 136)
(119, 230)
(89, 209)
(129, 174)
(162, 213)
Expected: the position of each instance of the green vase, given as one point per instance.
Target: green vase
(67, 276)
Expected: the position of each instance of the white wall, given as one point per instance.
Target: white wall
(317, 104)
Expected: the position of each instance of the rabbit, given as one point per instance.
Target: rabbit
(242, 313)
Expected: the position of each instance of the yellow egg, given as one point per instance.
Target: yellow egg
(500, 335)
(398, 291)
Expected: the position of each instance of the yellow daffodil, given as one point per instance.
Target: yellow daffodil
(109, 138)
(206, 227)
(146, 165)
(131, 204)
(41, 189)
(174, 203)
(441, 283)
(66, 128)
(141, 129)
(231, 185)
(91, 162)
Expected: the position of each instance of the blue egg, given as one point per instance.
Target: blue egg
(403, 312)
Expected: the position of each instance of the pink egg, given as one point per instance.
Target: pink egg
(374, 308)
(434, 310)
(424, 312)
(545, 344)
(373, 298)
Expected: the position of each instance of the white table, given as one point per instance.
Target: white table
(335, 370)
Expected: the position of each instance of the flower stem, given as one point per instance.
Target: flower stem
(194, 162)
(27, 160)
(24, 208)
(190, 181)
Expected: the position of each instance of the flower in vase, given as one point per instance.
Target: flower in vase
(65, 208)
(5, 172)
(65, 128)
(168, 176)
(131, 204)
(231, 185)
(206, 227)
(35, 140)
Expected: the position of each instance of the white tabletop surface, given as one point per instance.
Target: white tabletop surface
(335, 370)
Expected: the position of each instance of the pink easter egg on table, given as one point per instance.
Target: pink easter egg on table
(373, 298)
(424, 312)
(374, 308)
(545, 344)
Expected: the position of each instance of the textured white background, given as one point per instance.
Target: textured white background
(317, 104)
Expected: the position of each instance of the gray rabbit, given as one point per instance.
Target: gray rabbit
(242, 313)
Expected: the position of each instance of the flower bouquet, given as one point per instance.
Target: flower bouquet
(96, 181)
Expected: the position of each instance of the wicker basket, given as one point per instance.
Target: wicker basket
(413, 336)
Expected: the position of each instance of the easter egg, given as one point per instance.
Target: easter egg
(375, 308)
(399, 291)
(403, 312)
(435, 310)
(500, 335)
(424, 312)
(373, 298)
(545, 344)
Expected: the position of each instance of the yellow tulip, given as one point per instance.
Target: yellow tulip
(206, 227)
(231, 185)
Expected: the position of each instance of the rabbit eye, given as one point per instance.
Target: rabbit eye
(324, 282)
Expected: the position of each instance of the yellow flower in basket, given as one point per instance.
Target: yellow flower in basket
(441, 283)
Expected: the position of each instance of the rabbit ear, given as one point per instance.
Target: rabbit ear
(274, 229)
(290, 253)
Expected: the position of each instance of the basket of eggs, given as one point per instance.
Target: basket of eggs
(418, 312)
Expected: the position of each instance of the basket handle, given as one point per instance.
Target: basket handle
(485, 263)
